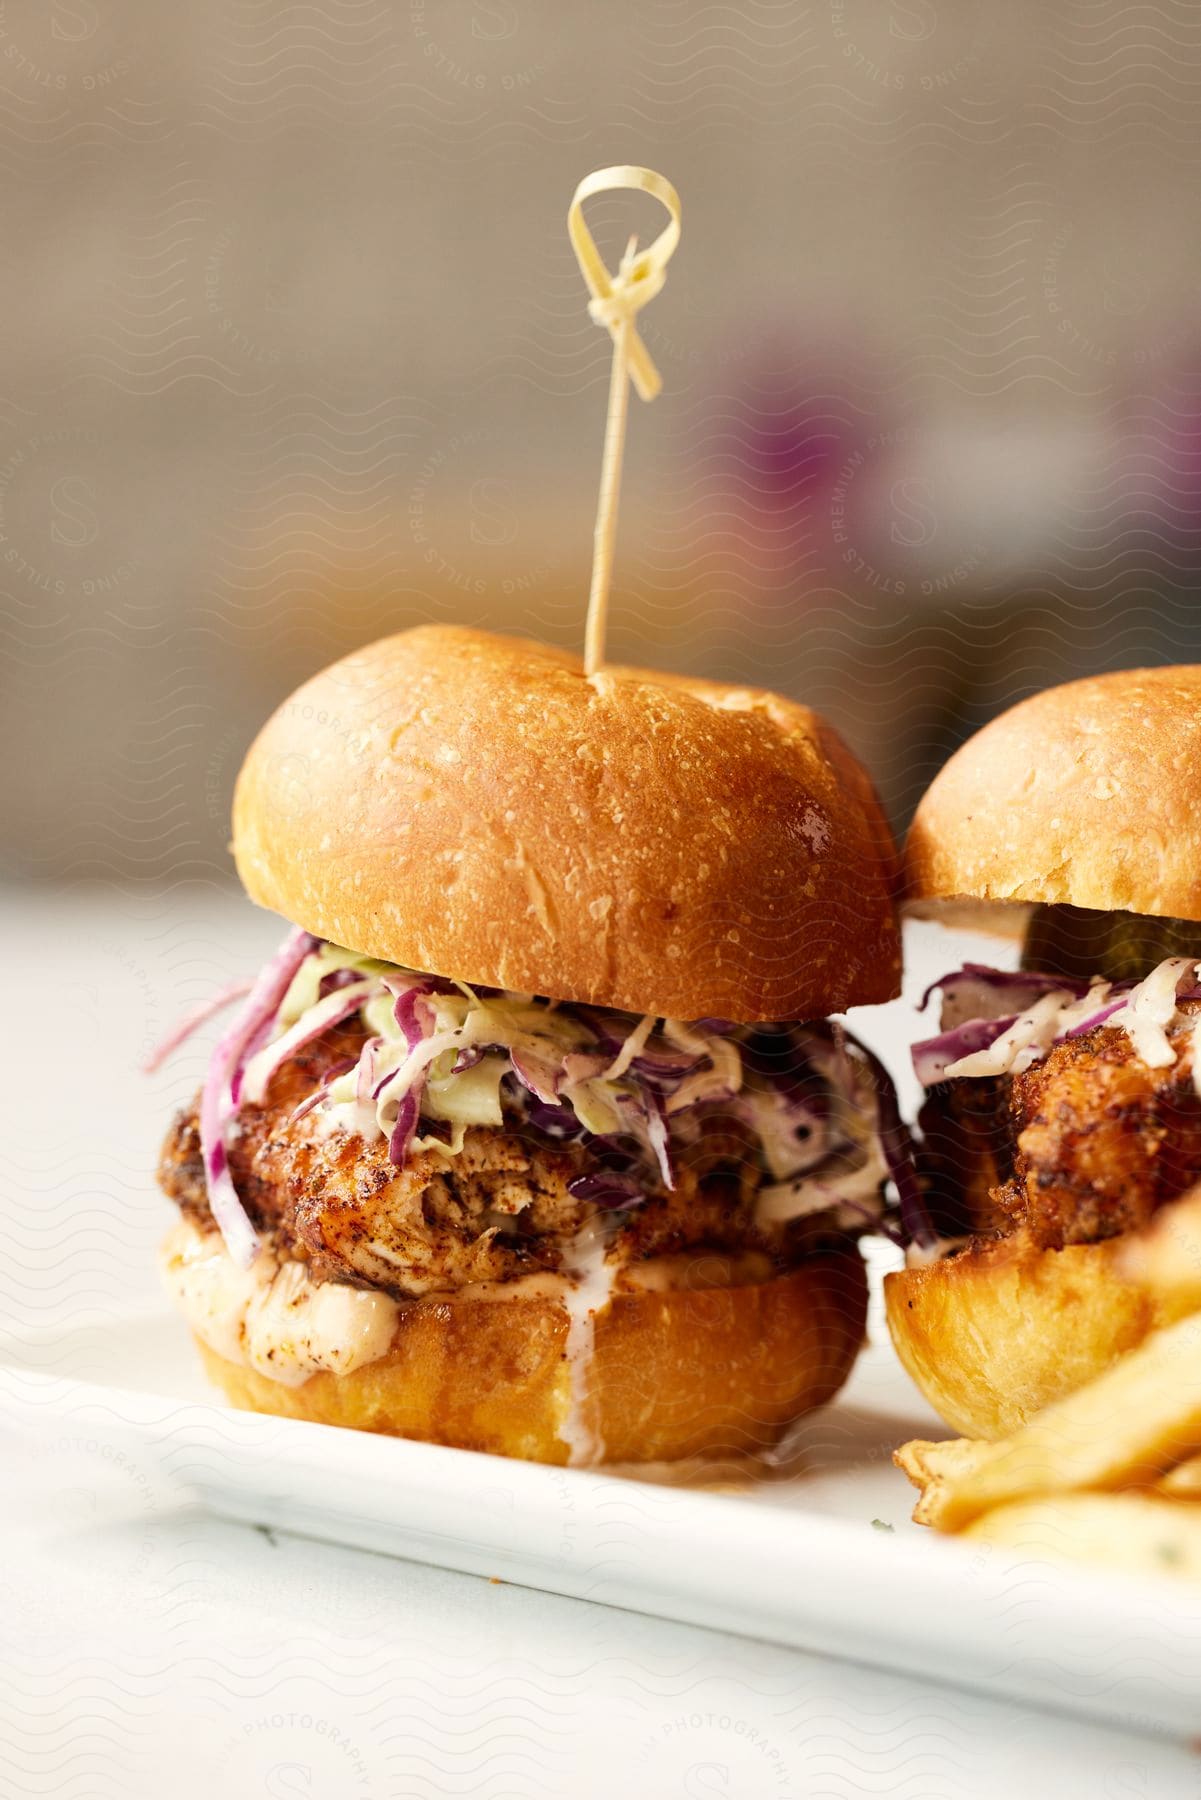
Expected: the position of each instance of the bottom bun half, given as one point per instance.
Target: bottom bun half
(994, 1333)
(676, 1373)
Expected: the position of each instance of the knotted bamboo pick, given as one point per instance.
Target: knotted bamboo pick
(616, 301)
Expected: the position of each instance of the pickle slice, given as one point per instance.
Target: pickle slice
(1122, 946)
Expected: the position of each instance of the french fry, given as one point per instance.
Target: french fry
(1167, 1257)
(1124, 1429)
(1183, 1482)
(925, 1462)
(1133, 1532)
(930, 1466)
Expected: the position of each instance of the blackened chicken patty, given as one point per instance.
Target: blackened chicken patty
(498, 1210)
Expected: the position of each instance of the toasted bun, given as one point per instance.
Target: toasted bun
(995, 1333)
(474, 806)
(696, 1372)
(1087, 795)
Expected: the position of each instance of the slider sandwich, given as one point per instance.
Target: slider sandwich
(1063, 1108)
(537, 1136)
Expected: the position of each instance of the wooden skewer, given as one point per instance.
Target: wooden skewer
(616, 301)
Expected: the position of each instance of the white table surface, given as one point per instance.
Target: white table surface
(148, 1650)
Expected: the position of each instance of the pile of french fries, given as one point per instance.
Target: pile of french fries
(1110, 1473)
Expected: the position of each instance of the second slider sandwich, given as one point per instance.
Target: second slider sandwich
(1063, 1103)
(535, 1137)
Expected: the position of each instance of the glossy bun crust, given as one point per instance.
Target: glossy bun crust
(993, 1334)
(1086, 795)
(473, 806)
(687, 1372)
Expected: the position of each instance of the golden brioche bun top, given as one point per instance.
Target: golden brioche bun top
(1086, 795)
(474, 806)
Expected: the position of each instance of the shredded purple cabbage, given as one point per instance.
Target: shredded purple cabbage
(337, 978)
(897, 1146)
(1006, 978)
(200, 1015)
(336, 1007)
(405, 1127)
(219, 1096)
(933, 1056)
(660, 1070)
(555, 1121)
(606, 1188)
(413, 1016)
(1097, 1018)
(540, 1076)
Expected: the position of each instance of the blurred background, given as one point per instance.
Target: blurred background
(296, 353)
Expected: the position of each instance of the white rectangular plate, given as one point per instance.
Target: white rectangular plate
(802, 1557)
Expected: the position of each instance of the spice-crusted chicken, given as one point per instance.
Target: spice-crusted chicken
(497, 1210)
(1085, 1144)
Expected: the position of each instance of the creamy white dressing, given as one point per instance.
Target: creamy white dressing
(1151, 1008)
(846, 1194)
(1146, 1014)
(583, 1298)
(840, 1169)
(773, 1119)
(271, 1317)
(1032, 1033)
